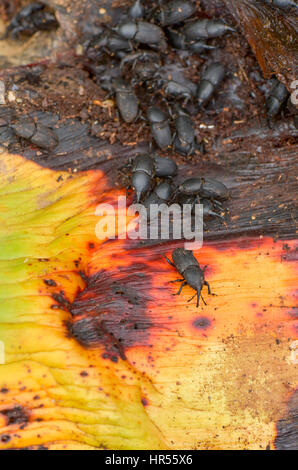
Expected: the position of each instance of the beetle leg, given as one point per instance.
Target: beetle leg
(169, 261)
(196, 199)
(176, 280)
(175, 192)
(217, 204)
(181, 287)
(207, 284)
(189, 300)
(202, 299)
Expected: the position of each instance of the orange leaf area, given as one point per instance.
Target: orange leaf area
(112, 358)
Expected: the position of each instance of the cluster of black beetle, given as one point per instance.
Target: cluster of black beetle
(206, 191)
(122, 42)
(146, 168)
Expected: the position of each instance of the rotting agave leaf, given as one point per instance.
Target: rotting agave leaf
(272, 34)
(99, 353)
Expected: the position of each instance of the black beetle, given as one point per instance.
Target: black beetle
(179, 41)
(160, 195)
(283, 3)
(30, 19)
(143, 32)
(175, 12)
(111, 43)
(204, 187)
(145, 167)
(177, 90)
(142, 174)
(209, 209)
(276, 99)
(184, 138)
(160, 127)
(211, 79)
(136, 10)
(126, 100)
(205, 29)
(164, 167)
(188, 266)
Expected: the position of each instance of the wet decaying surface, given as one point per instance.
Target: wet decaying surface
(64, 94)
(56, 112)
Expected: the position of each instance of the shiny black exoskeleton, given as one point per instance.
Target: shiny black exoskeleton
(184, 140)
(145, 167)
(126, 100)
(160, 195)
(30, 19)
(164, 167)
(160, 127)
(110, 43)
(178, 90)
(141, 175)
(143, 32)
(198, 189)
(188, 266)
(205, 29)
(204, 187)
(175, 12)
(179, 41)
(211, 79)
(278, 96)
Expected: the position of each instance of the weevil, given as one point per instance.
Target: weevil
(160, 127)
(126, 100)
(205, 29)
(204, 188)
(111, 43)
(142, 174)
(145, 167)
(177, 90)
(175, 12)
(179, 41)
(164, 167)
(211, 79)
(161, 194)
(276, 99)
(184, 137)
(143, 32)
(30, 19)
(188, 266)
